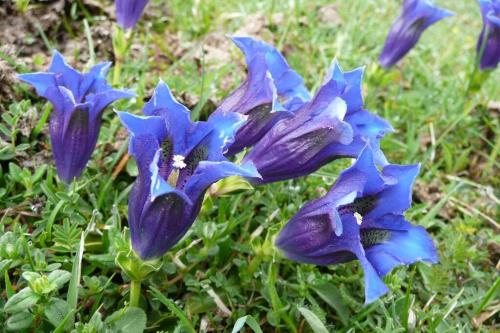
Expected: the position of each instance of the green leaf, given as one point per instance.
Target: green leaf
(52, 218)
(277, 305)
(229, 185)
(452, 304)
(61, 327)
(134, 267)
(19, 321)
(21, 301)
(313, 321)
(56, 310)
(331, 295)
(76, 272)
(59, 277)
(250, 321)
(127, 320)
(30, 276)
(96, 322)
(8, 285)
(489, 296)
(131, 168)
(174, 308)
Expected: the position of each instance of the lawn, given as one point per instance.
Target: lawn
(227, 266)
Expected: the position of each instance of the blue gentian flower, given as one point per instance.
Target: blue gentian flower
(78, 100)
(272, 91)
(361, 217)
(415, 17)
(177, 161)
(488, 45)
(128, 12)
(332, 125)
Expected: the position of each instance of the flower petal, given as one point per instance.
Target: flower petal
(73, 134)
(40, 81)
(395, 198)
(348, 85)
(66, 75)
(289, 84)
(291, 148)
(209, 172)
(312, 228)
(164, 221)
(176, 117)
(362, 178)
(374, 286)
(258, 99)
(140, 125)
(404, 246)
(101, 100)
(369, 128)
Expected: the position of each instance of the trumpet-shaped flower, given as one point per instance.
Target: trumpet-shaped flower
(128, 12)
(272, 91)
(415, 17)
(177, 161)
(488, 45)
(332, 125)
(361, 217)
(78, 100)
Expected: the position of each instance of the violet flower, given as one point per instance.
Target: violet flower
(78, 100)
(272, 91)
(361, 217)
(128, 12)
(415, 17)
(332, 125)
(488, 45)
(177, 161)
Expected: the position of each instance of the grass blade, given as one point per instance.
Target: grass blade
(313, 320)
(250, 321)
(174, 308)
(331, 295)
(76, 273)
(490, 295)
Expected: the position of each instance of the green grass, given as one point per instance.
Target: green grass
(227, 267)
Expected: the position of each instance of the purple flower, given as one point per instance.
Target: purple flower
(361, 217)
(272, 91)
(488, 45)
(128, 12)
(177, 161)
(415, 17)
(78, 100)
(332, 125)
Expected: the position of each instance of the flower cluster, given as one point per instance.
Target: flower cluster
(177, 161)
(361, 217)
(281, 131)
(291, 134)
(285, 131)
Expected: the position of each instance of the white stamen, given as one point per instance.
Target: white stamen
(359, 218)
(179, 162)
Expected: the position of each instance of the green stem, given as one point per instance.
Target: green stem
(121, 50)
(135, 293)
(477, 78)
(117, 71)
(276, 304)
